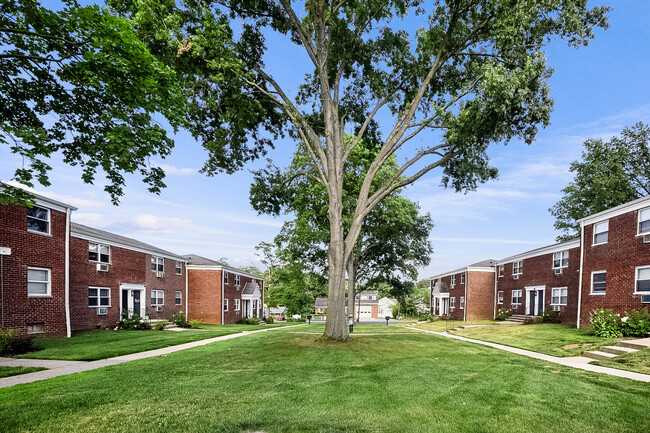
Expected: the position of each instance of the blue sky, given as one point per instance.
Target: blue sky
(598, 90)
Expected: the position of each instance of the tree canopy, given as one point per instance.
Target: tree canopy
(610, 173)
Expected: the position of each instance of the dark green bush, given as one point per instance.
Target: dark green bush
(12, 343)
(636, 323)
(195, 324)
(269, 319)
(160, 325)
(550, 316)
(249, 321)
(300, 320)
(180, 320)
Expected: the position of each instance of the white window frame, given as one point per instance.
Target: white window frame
(237, 304)
(512, 297)
(518, 267)
(462, 278)
(636, 280)
(225, 305)
(48, 283)
(562, 256)
(158, 263)
(453, 281)
(500, 297)
(154, 296)
(179, 268)
(462, 303)
(99, 297)
(566, 290)
(639, 221)
(452, 303)
(237, 280)
(48, 221)
(99, 254)
(178, 296)
(225, 277)
(501, 270)
(592, 283)
(595, 227)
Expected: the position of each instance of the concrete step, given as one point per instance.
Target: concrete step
(597, 354)
(641, 343)
(617, 350)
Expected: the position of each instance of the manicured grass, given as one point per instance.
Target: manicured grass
(282, 382)
(15, 371)
(443, 325)
(637, 361)
(359, 328)
(240, 328)
(551, 339)
(100, 344)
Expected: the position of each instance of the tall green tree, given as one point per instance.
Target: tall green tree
(77, 83)
(610, 173)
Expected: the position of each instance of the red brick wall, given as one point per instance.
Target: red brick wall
(375, 311)
(33, 250)
(456, 292)
(232, 292)
(623, 252)
(204, 295)
(537, 271)
(480, 295)
(169, 283)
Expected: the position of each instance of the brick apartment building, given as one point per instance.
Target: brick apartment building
(57, 276)
(607, 267)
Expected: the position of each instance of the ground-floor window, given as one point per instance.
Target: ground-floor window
(500, 297)
(157, 298)
(452, 303)
(643, 280)
(39, 282)
(516, 297)
(225, 305)
(462, 302)
(178, 298)
(598, 282)
(99, 297)
(559, 296)
(237, 304)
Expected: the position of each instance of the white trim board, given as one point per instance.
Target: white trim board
(127, 247)
(631, 206)
(541, 251)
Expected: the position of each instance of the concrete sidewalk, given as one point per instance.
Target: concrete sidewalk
(62, 368)
(581, 362)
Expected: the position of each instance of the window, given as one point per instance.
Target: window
(558, 296)
(237, 301)
(644, 220)
(517, 267)
(38, 220)
(225, 305)
(179, 268)
(225, 277)
(598, 282)
(157, 264)
(157, 298)
(500, 270)
(452, 303)
(35, 328)
(462, 278)
(99, 297)
(560, 259)
(516, 297)
(601, 232)
(99, 253)
(236, 279)
(453, 281)
(500, 297)
(462, 302)
(643, 280)
(38, 282)
(178, 298)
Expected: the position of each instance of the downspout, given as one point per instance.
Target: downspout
(582, 257)
(496, 279)
(221, 306)
(187, 292)
(466, 303)
(68, 327)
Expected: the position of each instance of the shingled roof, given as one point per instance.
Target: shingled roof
(82, 231)
(195, 260)
(249, 288)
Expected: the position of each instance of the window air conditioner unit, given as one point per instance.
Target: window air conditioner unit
(556, 308)
(102, 268)
(102, 311)
(645, 299)
(159, 274)
(646, 239)
(558, 271)
(515, 277)
(158, 308)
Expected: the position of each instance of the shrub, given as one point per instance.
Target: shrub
(550, 316)
(532, 320)
(269, 319)
(133, 323)
(291, 319)
(503, 314)
(160, 325)
(606, 323)
(180, 320)
(636, 323)
(12, 343)
(248, 321)
(195, 324)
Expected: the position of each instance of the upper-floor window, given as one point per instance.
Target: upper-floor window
(501, 270)
(38, 219)
(453, 281)
(643, 280)
(179, 268)
(39, 282)
(236, 279)
(601, 232)
(157, 298)
(598, 282)
(560, 259)
(157, 264)
(517, 267)
(462, 278)
(99, 253)
(644, 220)
(225, 277)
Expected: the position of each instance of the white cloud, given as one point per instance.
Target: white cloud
(152, 223)
(175, 171)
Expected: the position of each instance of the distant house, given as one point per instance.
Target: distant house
(278, 312)
(366, 305)
(385, 307)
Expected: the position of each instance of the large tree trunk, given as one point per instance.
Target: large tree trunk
(336, 324)
(352, 283)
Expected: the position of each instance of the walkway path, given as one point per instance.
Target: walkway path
(581, 362)
(62, 368)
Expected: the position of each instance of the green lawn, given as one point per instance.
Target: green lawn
(443, 325)
(282, 382)
(637, 361)
(14, 371)
(239, 328)
(359, 328)
(100, 344)
(551, 339)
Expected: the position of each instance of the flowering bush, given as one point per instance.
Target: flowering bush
(503, 314)
(636, 323)
(133, 323)
(606, 323)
